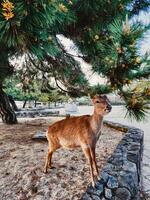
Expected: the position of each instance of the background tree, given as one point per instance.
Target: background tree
(29, 29)
(97, 29)
(37, 90)
(6, 111)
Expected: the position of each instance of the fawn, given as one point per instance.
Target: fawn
(82, 131)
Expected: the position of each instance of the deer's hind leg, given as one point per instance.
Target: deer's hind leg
(48, 161)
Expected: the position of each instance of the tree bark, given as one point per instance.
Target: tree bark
(24, 105)
(35, 103)
(11, 100)
(6, 111)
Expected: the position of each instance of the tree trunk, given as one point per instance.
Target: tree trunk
(24, 105)
(6, 111)
(35, 103)
(11, 100)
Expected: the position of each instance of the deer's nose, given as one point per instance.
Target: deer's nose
(109, 107)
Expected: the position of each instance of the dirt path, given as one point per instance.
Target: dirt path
(22, 161)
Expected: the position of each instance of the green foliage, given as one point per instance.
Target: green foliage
(13, 87)
(100, 30)
(21, 92)
(33, 25)
(109, 41)
(100, 89)
(136, 100)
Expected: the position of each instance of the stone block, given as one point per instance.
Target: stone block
(39, 135)
(95, 197)
(108, 193)
(104, 176)
(133, 156)
(133, 146)
(86, 197)
(129, 179)
(112, 182)
(122, 194)
(118, 159)
(97, 190)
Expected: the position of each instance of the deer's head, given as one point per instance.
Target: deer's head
(101, 104)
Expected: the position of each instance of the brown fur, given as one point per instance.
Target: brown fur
(82, 131)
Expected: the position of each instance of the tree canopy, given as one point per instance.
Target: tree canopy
(103, 32)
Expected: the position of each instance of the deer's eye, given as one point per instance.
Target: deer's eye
(97, 101)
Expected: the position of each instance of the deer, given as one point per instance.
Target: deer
(79, 131)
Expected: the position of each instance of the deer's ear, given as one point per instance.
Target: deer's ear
(105, 96)
(91, 95)
(93, 100)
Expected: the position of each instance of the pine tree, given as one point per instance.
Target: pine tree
(108, 39)
(119, 61)
(30, 29)
(100, 30)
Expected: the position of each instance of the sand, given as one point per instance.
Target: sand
(22, 160)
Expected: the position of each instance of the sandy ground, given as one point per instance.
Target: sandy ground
(22, 160)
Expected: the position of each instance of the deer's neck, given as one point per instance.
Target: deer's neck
(96, 122)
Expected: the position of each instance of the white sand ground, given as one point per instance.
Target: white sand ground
(22, 161)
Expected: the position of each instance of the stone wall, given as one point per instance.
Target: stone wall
(36, 113)
(121, 177)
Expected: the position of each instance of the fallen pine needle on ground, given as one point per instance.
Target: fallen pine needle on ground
(22, 161)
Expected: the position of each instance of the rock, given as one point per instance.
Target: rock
(97, 190)
(137, 197)
(133, 146)
(22, 195)
(34, 189)
(137, 137)
(133, 156)
(95, 197)
(71, 168)
(108, 168)
(36, 113)
(129, 179)
(118, 159)
(130, 167)
(39, 135)
(108, 193)
(120, 148)
(39, 197)
(90, 189)
(104, 176)
(63, 185)
(122, 194)
(126, 140)
(112, 182)
(86, 197)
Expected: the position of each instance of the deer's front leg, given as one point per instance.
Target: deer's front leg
(86, 151)
(92, 151)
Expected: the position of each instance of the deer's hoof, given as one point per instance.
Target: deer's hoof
(45, 171)
(93, 184)
(98, 178)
